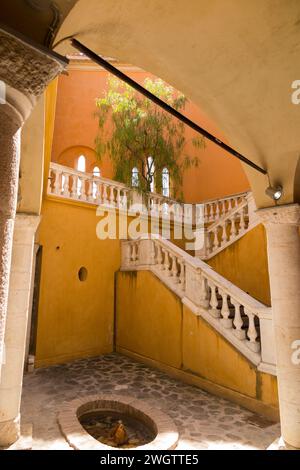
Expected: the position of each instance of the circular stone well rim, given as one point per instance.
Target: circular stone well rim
(78, 438)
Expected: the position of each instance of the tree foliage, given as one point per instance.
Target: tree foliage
(140, 129)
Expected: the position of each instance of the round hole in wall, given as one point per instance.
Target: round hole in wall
(82, 274)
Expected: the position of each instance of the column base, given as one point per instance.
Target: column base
(9, 432)
(279, 444)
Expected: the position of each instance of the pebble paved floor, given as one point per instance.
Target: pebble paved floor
(203, 420)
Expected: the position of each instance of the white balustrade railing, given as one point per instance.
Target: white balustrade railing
(214, 209)
(231, 311)
(228, 218)
(229, 227)
(69, 183)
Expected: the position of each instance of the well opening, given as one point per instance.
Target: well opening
(113, 422)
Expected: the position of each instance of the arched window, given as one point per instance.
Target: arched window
(134, 177)
(80, 167)
(150, 174)
(165, 182)
(81, 163)
(96, 172)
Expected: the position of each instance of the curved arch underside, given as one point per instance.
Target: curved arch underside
(236, 60)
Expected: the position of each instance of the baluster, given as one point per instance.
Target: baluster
(49, 186)
(217, 211)
(211, 212)
(225, 312)
(83, 196)
(118, 197)
(104, 195)
(204, 294)
(91, 191)
(57, 182)
(182, 274)
(231, 229)
(166, 263)
(237, 321)
(209, 241)
(223, 207)
(213, 310)
(252, 332)
(206, 213)
(74, 190)
(174, 270)
(245, 216)
(98, 192)
(123, 199)
(237, 223)
(214, 240)
(65, 181)
(159, 257)
(222, 233)
(112, 196)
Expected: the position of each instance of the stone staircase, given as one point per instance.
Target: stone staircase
(245, 322)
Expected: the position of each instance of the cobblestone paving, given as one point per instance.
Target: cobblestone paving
(203, 420)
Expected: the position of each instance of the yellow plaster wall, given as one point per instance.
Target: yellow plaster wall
(245, 264)
(207, 354)
(154, 325)
(149, 319)
(75, 319)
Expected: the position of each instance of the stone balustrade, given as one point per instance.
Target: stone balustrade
(231, 225)
(72, 184)
(214, 209)
(233, 313)
(228, 218)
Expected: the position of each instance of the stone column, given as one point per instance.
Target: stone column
(282, 227)
(25, 71)
(10, 123)
(16, 326)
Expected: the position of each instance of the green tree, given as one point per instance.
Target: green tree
(143, 136)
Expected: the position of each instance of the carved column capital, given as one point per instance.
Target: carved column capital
(26, 69)
(288, 214)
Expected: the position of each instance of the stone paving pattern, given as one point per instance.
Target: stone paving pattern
(203, 420)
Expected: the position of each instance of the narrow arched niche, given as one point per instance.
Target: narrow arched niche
(82, 274)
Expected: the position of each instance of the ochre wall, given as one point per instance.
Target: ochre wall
(218, 174)
(153, 325)
(75, 319)
(245, 264)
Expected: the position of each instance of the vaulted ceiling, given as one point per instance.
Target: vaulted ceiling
(236, 59)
